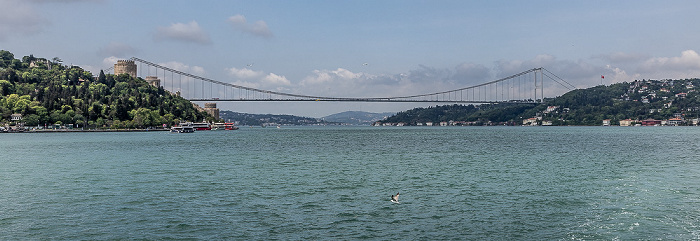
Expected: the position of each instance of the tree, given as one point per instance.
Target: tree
(31, 120)
(6, 87)
(6, 58)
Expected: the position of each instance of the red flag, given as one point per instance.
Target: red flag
(602, 77)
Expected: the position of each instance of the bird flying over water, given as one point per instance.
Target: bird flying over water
(395, 198)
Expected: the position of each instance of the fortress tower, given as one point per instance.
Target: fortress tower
(153, 80)
(125, 67)
(211, 109)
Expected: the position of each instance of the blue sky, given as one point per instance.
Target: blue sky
(319, 47)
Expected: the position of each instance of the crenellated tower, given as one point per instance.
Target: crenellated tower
(125, 67)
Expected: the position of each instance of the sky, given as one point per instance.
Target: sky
(364, 48)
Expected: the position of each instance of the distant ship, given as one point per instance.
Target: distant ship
(189, 127)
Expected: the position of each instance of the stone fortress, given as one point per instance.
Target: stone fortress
(129, 67)
(125, 67)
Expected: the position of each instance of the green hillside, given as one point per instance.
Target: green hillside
(46, 92)
(675, 100)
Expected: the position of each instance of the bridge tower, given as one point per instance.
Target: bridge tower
(125, 67)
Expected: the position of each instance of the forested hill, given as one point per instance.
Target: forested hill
(48, 92)
(675, 100)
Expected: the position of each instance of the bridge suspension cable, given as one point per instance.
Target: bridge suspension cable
(522, 87)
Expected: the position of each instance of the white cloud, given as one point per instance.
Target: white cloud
(273, 79)
(619, 75)
(195, 70)
(688, 61)
(258, 79)
(110, 61)
(258, 28)
(185, 32)
(244, 73)
(330, 76)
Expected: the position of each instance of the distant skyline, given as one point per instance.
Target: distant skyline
(363, 48)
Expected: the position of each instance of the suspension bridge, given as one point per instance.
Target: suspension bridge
(524, 87)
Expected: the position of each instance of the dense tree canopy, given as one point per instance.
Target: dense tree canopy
(47, 92)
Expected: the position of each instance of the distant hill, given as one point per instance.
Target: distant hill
(673, 102)
(246, 119)
(357, 117)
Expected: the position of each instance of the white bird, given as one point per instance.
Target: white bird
(249, 65)
(365, 64)
(395, 198)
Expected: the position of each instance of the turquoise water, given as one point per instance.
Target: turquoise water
(493, 183)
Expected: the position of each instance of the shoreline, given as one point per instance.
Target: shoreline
(88, 130)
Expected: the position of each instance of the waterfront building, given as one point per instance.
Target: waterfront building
(627, 122)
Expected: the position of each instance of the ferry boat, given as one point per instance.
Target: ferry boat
(182, 128)
(230, 126)
(202, 126)
(223, 126)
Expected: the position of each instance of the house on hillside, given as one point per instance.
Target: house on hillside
(530, 122)
(674, 122)
(551, 109)
(627, 122)
(16, 117)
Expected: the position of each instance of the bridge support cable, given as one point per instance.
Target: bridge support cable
(509, 89)
(560, 81)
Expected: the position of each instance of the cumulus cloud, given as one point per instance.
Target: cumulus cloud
(619, 75)
(421, 80)
(185, 32)
(110, 61)
(581, 73)
(259, 79)
(688, 61)
(345, 83)
(244, 73)
(258, 28)
(18, 17)
(117, 49)
(274, 79)
(195, 70)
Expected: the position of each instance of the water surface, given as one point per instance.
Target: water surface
(526, 183)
